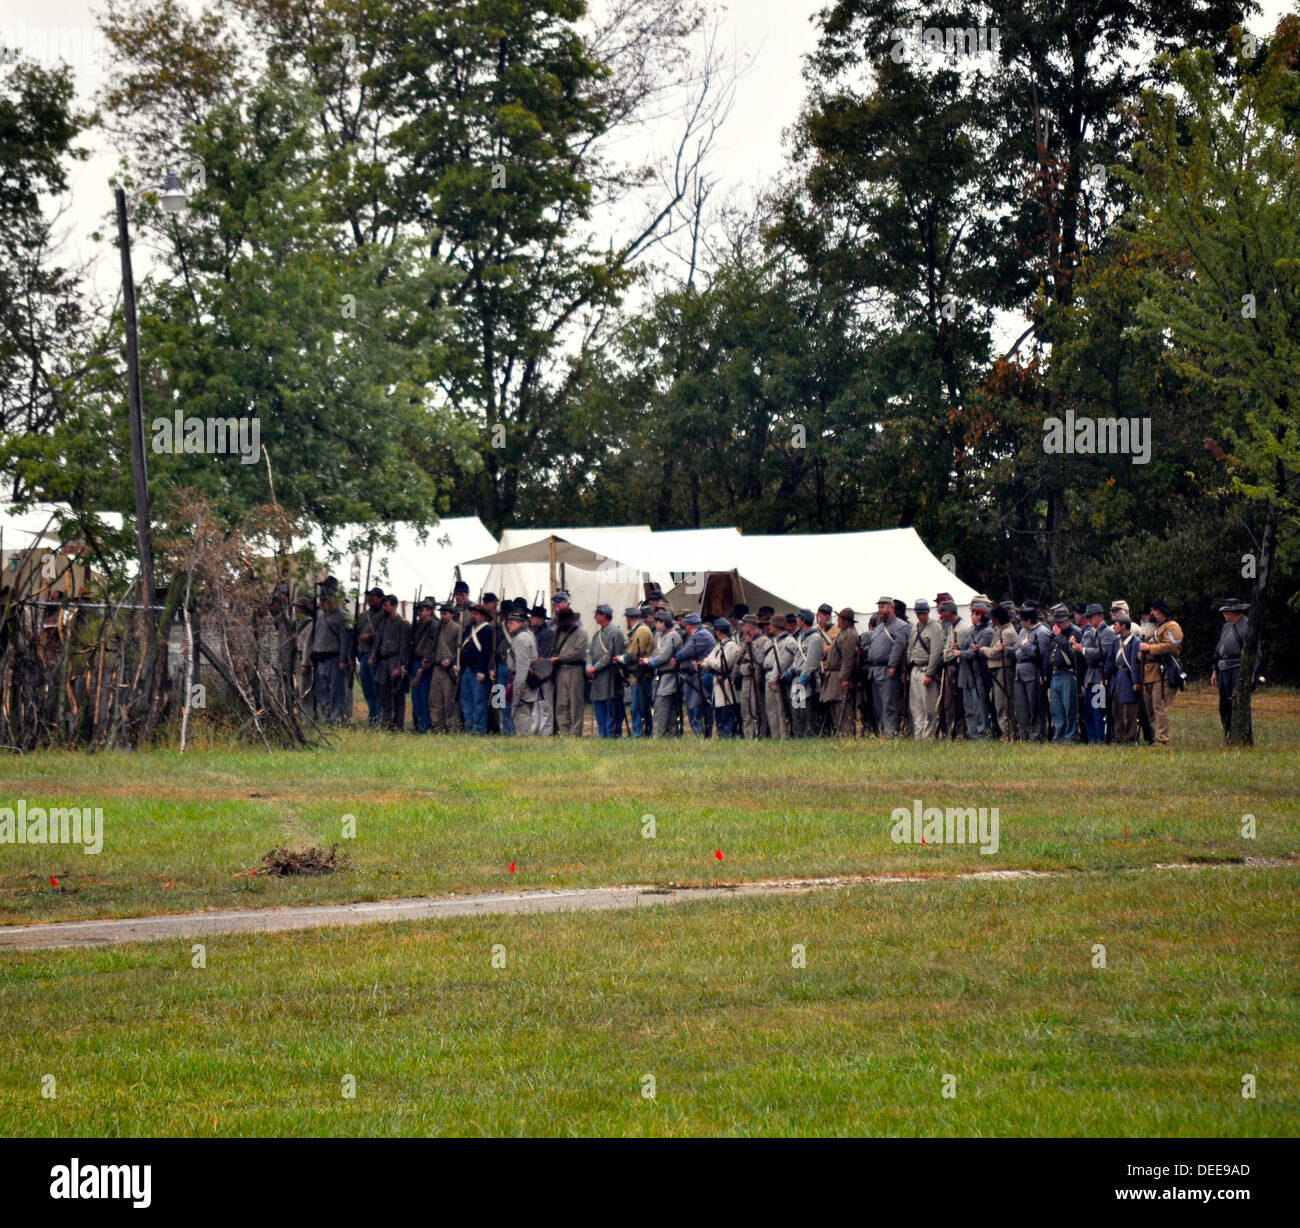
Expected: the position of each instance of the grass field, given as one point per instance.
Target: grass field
(990, 981)
(182, 833)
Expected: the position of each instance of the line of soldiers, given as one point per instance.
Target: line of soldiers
(491, 668)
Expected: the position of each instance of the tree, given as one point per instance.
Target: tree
(42, 320)
(941, 191)
(324, 355)
(1219, 187)
(480, 131)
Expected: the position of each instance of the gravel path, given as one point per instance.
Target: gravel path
(68, 934)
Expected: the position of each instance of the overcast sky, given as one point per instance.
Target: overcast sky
(771, 36)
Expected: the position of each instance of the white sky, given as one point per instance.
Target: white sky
(773, 35)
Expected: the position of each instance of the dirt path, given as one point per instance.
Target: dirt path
(68, 934)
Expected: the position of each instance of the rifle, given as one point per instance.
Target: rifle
(950, 638)
(677, 691)
(722, 679)
(782, 694)
(755, 689)
(999, 676)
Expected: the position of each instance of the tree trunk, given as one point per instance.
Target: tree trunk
(1241, 730)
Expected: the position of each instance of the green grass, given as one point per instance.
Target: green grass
(451, 814)
(990, 981)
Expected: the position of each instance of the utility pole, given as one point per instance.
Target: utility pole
(139, 462)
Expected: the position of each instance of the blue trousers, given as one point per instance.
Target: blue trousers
(642, 700)
(503, 682)
(699, 705)
(609, 717)
(1094, 718)
(473, 702)
(370, 689)
(724, 722)
(420, 703)
(1065, 707)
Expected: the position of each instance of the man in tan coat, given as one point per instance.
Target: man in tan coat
(1158, 692)
(838, 668)
(444, 706)
(569, 656)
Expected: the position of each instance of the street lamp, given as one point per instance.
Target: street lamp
(173, 196)
(173, 201)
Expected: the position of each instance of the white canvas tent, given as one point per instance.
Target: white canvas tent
(419, 565)
(797, 570)
(609, 565)
(714, 568)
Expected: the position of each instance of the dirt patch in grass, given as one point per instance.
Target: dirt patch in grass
(311, 862)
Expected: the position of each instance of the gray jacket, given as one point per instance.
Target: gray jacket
(1098, 643)
(969, 671)
(328, 634)
(605, 644)
(664, 661)
(925, 647)
(723, 663)
(1227, 653)
(886, 648)
(1033, 645)
(780, 656)
(523, 652)
(812, 648)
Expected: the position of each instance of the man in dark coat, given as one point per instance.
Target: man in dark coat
(389, 659)
(569, 657)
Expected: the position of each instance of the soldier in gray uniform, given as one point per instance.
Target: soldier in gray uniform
(668, 698)
(952, 709)
(925, 659)
(839, 671)
(1033, 643)
(778, 672)
(1096, 646)
(805, 700)
(883, 663)
(326, 656)
(723, 663)
(972, 673)
(1227, 656)
(525, 700)
(753, 708)
(607, 644)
